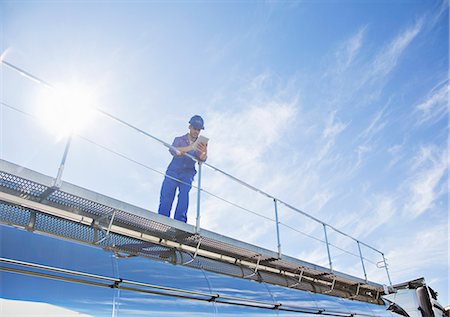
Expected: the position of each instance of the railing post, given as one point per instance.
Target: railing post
(278, 228)
(57, 182)
(197, 222)
(362, 260)
(387, 270)
(328, 247)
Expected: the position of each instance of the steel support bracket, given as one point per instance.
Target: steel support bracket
(32, 222)
(357, 291)
(195, 253)
(299, 278)
(332, 285)
(256, 267)
(96, 225)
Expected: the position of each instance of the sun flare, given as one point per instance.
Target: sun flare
(66, 109)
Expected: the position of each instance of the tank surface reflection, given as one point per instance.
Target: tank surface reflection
(162, 274)
(234, 287)
(138, 286)
(21, 245)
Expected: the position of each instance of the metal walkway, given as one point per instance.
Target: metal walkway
(29, 200)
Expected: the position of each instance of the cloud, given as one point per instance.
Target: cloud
(397, 153)
(379, 211)
(246, 135)
(377, 124)
(434, 107)
(387, 59)
(420, 251)
(429, 168)
(347, 53)
(243, 141)
(333, 128)
(12, 308)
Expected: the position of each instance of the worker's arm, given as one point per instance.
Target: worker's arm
(177, 149)
(184, 149)
(201, 152)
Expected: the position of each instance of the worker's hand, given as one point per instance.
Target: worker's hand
(202, 148)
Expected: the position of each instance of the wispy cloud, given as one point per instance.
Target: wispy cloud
(425, 185)
(389, 56)
(28, 308)
(434, 107)
(349, 50)
(397, 153)
(379, 211)
(333, 127)
(406, 259)
(377, 124)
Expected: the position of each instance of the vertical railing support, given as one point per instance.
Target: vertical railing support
(387, 270)
(57, 182)
(278, 228)
(328, 246)
(197, 222)
(362, 260)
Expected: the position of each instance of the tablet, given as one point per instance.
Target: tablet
(200, 139)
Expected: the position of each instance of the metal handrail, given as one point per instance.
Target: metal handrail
(199, 189)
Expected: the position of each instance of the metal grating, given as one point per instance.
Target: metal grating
(64, 228)
(25, 187)
(72, 201)
(145, 225)
(14, 215)
(229, 250)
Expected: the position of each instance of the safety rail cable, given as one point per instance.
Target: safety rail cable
(143, 165)
(40, 81)
(205, 191)
(71, 276)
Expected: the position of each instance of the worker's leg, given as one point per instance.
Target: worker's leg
(183, 198)
(168, 189)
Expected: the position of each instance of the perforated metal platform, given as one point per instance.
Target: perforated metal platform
(29, 200)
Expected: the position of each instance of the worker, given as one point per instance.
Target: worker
(181, 170)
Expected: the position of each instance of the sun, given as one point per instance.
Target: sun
(66, 108)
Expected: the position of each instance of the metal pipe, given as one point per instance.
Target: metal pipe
(197, 222)
(59, 270)
(63, 162)
(278, 228)
(362, 261)
(328, 247)
(387, 270)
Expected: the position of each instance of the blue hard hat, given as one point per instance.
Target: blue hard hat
(197, 122)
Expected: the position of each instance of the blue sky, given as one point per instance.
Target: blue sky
(338, 108)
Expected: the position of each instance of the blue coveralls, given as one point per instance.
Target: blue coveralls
(182, 168)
